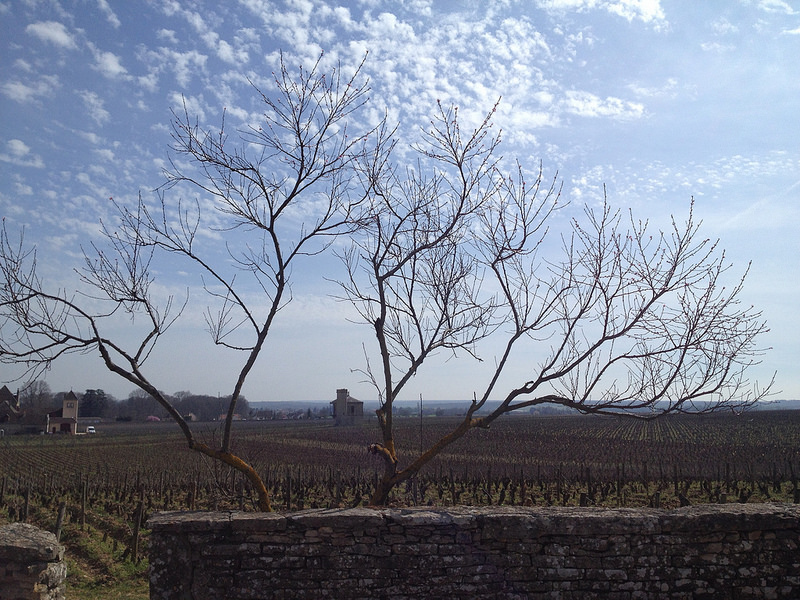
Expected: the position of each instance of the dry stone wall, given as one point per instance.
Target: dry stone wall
(722, 551)
(31, 564)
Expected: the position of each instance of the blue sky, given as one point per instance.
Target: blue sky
(658, 101)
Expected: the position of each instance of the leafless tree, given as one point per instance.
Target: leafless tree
(37, 400)
(277, 192)
(622, 320)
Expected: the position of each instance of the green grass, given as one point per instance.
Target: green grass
(95, 569)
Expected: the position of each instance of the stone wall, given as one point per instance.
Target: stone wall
(31, 564)
(715, 551)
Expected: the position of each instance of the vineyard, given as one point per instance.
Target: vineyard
(99, 490)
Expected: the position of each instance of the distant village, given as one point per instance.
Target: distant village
(37, 410)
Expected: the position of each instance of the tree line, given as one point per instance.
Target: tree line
(37, 400)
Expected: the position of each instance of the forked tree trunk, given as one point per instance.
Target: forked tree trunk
(392, 477)
(244, 468)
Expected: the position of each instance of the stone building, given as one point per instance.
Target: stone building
(346, 408)
(10, 410)
(64, 420)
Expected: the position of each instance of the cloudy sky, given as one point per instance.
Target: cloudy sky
(660, 101)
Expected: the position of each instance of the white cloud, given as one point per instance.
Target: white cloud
(23, 65)
(776, 6)
(168, 35)
(668, 90)
(24, 92)
(586, 104)
(109, 13)
(96, 107)
(412, 64)
(149, 81)
(724, 27)
(23, 189)
(225, 52)
(19, 154)
(519, 124)
(109, 64)
(91, 203)
(648, 11)
(717, 47)
(89, 136)
(185, 65)
(52, 32)
(17, 147)
(342, 16)
(195, 106)
(419, 7)
(638, 183)
(105, 154)
(223, 49)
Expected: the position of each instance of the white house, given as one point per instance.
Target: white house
(66, 419)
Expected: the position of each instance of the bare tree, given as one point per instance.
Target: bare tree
(37, 400)
(623, 321)
(277, 193)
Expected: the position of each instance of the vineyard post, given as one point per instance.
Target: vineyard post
(675, 478)
(645, 478)
(84, 493)
(137, 522)
(288, 488)
(558, 481)
(62, 511)
(421, 443)
(589, 485)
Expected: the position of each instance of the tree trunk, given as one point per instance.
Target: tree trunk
(393, 477)
(380, 497)
(248, 471)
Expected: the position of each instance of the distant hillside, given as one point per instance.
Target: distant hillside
(457, 407)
